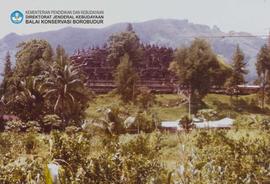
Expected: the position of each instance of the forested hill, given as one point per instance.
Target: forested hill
(165, 32)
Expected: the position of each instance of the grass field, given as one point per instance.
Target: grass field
(168, 106)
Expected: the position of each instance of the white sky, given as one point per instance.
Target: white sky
(239, 15)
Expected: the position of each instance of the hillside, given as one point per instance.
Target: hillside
(168, 32)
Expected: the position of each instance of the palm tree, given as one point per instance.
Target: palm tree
(66, 90)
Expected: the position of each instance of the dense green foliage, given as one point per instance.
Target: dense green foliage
(6, 75)
(198, 69)
(66, 89)
(145, 98)
(123, 43)
(220, 159)
(204, 157)
(32, 57)
(125, 79)
(239, 72)
(134, 161)
(186, 123)
(29, 101)
(263, 69)
(42, 84)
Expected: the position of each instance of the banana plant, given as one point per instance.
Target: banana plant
(65, 88)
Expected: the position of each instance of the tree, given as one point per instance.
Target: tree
(125, 79)
(239, 71)
(33, 58)
(145, 98)
(66, 89)
(186, 123)
(263, 67)
(197, 69)
(6, 75)
(7, 69)
(124, 43)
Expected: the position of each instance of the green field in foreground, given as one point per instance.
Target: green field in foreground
(93, 156)
(32, 151)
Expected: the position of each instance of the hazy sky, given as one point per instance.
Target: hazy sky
(239, 15)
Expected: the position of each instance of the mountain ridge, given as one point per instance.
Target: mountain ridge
(164, 32)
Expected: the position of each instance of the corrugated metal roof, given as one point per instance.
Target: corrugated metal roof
(222, 123)
(170, 124)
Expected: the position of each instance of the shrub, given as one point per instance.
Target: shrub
(33, 126)
(147, 145)
(186, 123)
(25, 171)
(51, 121)
(116, 168)
(145, 98)
(247, 105)
(208, 114)
(265, 124)
(253, 121)
(219, 158)
(5, 143)
(71, 149)
(144, 122)
(2, 125)
(20, 126)
(30, 142)
(15, 126)
(130, 162)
